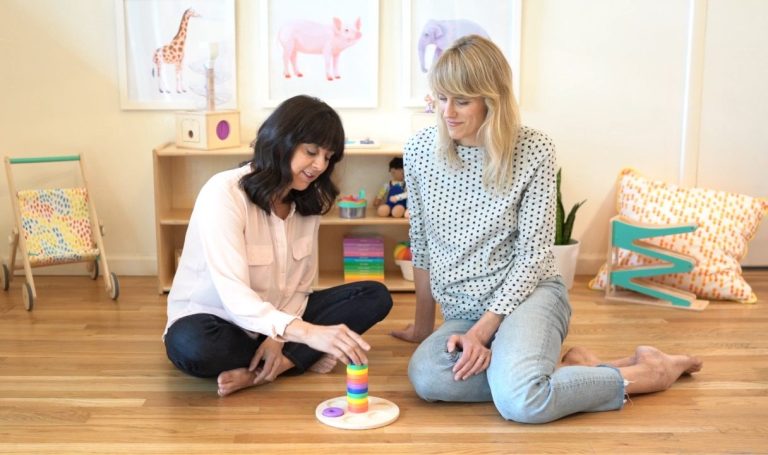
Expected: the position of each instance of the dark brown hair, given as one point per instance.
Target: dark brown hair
(298, 120)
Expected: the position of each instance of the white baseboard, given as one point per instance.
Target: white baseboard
(147, 266)
(588, 264)
(121, 265)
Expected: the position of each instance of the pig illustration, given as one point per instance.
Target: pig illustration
(314, 38)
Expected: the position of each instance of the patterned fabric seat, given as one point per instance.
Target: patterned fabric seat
(56, 226)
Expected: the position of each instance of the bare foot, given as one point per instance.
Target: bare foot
(326, 363)
(656, 371)
(579, 355)
(240, 378)
(624, 361)
(233, 380)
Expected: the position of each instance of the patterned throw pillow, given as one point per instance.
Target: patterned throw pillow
(726, 222)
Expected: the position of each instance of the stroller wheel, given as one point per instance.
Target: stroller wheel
(114, 291)
(5, 278)
(27, 296)
(93, 268)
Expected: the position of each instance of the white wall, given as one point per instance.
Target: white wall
(605, 78)
(733, 153)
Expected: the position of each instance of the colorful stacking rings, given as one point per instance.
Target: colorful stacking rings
(357, 388)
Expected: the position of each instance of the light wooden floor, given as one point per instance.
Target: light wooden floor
(81, 374)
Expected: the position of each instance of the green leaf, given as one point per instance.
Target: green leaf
(559, 214)
(563, 224)
(568, 225)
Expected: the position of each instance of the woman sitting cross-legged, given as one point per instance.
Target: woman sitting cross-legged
(241, 308)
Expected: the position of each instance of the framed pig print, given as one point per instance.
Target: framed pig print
(327, 49)
(430, 26)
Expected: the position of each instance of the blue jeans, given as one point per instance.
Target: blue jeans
(205, 345)
(522, 379)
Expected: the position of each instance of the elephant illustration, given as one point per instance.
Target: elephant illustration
(443, 33)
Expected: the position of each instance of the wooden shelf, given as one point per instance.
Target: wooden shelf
(173, 217)
(384, 150)
(332, 218)
(170, 149)
(392, 279)
(330, 279)
(179, 173)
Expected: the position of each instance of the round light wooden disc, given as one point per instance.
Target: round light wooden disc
(380, 413)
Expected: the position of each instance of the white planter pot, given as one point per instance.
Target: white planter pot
(566, 257)
(407, 268)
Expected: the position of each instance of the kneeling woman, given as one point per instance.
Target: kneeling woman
(241, 306)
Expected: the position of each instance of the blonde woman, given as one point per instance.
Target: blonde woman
(482, 201)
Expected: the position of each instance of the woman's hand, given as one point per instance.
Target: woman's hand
(424, 316)
(474, 359)
(271, 353)
(337, 340)
(476, 356)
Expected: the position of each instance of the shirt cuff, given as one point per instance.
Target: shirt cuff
(421, 261)
(279, 323)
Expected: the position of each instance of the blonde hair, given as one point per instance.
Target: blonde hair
(475, 67)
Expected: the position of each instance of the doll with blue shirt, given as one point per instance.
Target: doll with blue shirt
(392, 199)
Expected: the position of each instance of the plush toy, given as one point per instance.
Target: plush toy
(393, 197)
(429, 107)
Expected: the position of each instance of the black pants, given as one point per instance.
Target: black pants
(205, 345)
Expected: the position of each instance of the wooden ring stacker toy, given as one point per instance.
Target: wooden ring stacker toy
(357, 410)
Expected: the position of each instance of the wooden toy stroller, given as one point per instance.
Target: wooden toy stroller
(55, 226)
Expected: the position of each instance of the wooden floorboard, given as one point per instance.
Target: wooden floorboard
(83, 374)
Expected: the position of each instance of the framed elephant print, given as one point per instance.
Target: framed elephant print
(165, 48)
(430, 26)
(327, 49)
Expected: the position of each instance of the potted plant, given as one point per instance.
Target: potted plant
(566, 249)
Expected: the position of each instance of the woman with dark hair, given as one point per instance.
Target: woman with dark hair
(241, 307)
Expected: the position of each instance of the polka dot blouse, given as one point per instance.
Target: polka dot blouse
(484, 251)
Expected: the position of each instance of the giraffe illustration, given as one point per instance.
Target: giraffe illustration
(173, 54)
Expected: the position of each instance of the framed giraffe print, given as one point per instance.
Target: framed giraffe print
(166, 49)
(328, 49)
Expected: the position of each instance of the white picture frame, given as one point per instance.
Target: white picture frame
(501, 20)
(144, 27)
(303, 25)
